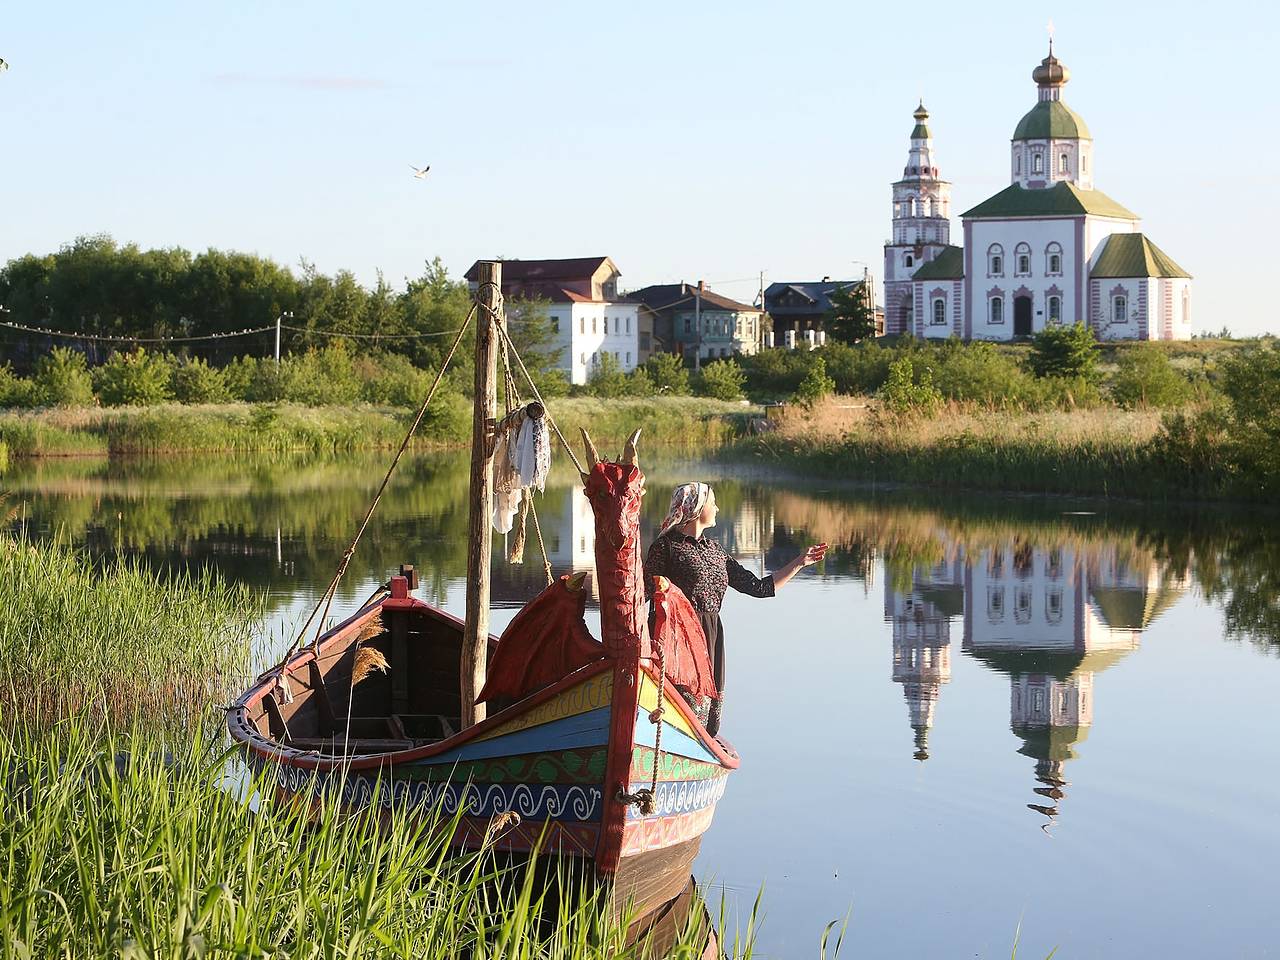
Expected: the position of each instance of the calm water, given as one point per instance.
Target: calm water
(976, 714)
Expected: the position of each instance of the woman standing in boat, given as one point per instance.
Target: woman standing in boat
(704, 572)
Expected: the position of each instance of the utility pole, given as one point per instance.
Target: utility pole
(475, 633)
(286, 313)
(697, 323)
(760, 321)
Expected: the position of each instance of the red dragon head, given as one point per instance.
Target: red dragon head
(614, 491)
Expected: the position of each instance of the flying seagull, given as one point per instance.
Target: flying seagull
(420, 174)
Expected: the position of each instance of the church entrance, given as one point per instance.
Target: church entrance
(1022, 316)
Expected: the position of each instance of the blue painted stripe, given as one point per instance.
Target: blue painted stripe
(583, 730)
(674, 797)
(673, 740)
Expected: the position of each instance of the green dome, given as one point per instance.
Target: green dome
(1051, 120)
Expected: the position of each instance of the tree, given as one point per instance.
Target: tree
(851, 318)
(1146, 378)
(816, 384)
(1065, 352)
(607, 379)
(722, 379)
(668, 373)
(909, 390)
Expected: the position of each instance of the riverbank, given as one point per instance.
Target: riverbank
(691, 422)
(1104, 452)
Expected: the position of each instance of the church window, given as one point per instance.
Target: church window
(1084, 163)
(995, 604)
(1022, 605)
(1119, 309)
(910, 261)
(997, 309)
(1055, 310)
(1062, 163)
(1053, 259)
(995, 260)
(939, 311)
(1023, 262)
(1186, 304)
(1037, 163)
(1053, 605)
(1017, 163)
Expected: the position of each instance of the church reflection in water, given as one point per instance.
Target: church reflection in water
(1050, 618)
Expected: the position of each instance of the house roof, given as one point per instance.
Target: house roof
(1133, 255)
(816, 295)
(665, 295)
(573, 268)
(543, 290)
(1063, 199)
(947, 265)
(1051, 119)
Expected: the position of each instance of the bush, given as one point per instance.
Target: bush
(1146, 378)
(391, 380)
(722, 379)
(15, 391)
(319, 377)
(910, 387)
(668, 373)
(640, 384)
(194, 381)
(816, 384)
(607, 379)
(1065, 352)
(979, 372)
(1251, 384)
(62, 379)
(860, 369)
(134, 379)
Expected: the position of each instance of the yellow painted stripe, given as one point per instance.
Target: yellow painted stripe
(672, 715)
(589, 695)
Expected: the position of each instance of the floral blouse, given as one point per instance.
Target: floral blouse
(702, 570)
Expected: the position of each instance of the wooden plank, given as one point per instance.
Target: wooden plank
(399, 661)
(323, 703)
(475, 637)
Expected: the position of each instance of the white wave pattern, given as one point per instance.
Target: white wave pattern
(573, 803)
(685, 796)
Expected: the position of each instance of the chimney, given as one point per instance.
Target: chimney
(826, 279)
(702, 286)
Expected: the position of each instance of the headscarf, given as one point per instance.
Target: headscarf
(687, 501)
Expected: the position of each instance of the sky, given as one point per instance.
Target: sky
(686, 141)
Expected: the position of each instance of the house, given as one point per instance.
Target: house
(588, 318)
(694, 321)
(801, 305)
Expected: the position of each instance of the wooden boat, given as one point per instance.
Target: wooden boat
(589, 750)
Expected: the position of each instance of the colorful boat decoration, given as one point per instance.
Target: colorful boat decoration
(589, 748)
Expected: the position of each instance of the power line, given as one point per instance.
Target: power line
(106, 338)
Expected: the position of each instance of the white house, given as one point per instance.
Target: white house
(1048, 249)
(588, 317)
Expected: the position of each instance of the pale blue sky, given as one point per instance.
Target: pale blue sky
(684, 140)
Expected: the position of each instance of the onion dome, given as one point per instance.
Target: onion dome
(921, 131)
(1051, 72)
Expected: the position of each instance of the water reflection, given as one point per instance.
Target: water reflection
(1050, 616)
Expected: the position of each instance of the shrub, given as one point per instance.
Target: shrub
(1146, 378)
(1064, 352)
(551, 383)
(15, 391)
(62, 379)
(318, 377)
(137, 378)
(239, 376)
(979, 372)
(1251, 384)
(607, 379)
(640, 384)
(722, 379)
(816, 384)
(774, 374)
(194, 381)
(391, 380)
(667, 373)
(910, 387)
(860, 369)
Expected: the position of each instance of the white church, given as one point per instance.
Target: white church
(1048, 249)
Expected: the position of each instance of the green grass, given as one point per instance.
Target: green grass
(280, 428)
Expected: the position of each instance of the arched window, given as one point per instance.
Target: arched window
(1017, 163)
(1022, 260)
(1062, 163)
(1084, 162)
(1037, 162)
(1186, 304)
(909, 260)
(1053, 259)
(1055, 310)
(1119, 309)
(995, 260)
(939, 311)
(997, 309)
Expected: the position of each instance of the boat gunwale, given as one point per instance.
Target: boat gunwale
(247, 734)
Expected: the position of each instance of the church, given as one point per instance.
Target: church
(1048, 249)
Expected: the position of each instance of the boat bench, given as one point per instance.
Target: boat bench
(382, 734)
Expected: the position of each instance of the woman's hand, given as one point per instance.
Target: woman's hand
(813, 554)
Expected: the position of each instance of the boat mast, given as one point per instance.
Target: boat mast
(475, 635)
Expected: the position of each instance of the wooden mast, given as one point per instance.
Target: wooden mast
(475, 635)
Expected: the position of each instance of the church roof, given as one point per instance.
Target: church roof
(1133, 255)
(947, 265)
(1063, 199)
(1051, 120)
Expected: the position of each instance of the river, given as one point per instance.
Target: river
(977, 715)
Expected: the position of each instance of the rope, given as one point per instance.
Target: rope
(326, 600)
(646, 798)
(538, 396)
(546, 561)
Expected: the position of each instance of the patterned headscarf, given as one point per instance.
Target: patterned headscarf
(687, 501)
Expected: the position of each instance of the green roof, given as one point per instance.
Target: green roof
(1133, 255)
(1063, 199)
(1051, 120)
(948, 265)
(921, 132)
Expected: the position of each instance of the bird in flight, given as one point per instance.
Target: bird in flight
(419, 174)
(4, 65)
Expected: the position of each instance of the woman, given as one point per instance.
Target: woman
(703, 572)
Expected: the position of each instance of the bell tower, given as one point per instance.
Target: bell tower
(921, 224)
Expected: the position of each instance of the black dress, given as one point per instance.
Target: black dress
(704, 572)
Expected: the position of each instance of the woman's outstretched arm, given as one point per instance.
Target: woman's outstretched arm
(811, 555)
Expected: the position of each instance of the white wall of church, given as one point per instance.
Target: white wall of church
(1040, 239)
(1120, 307)
(939, 309)
(1059, 160)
